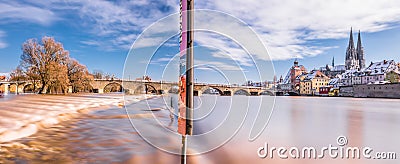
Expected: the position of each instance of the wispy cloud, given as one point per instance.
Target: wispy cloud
(118, 23)
(213, 65)
(122, 21)
(224, 48)
(288, 28)
(162, 60)
(90, 42)
(12, 11)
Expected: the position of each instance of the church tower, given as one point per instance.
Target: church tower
(360, 52)
(352, 61)
(296, 63)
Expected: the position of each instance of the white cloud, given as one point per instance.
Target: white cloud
(124, 41)
(287, 27)
(223, 47)
(90, 42)
(122, 21)
(15, 12)
(162, 60)
(3, 44)
(117, 24)
(216, 65)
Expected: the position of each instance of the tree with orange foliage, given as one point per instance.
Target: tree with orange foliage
(49, 63)
(79, 76)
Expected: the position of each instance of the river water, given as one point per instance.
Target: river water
(222, 129)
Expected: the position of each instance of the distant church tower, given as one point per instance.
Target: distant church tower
(351, 56)
(360, 52)
(355, 59)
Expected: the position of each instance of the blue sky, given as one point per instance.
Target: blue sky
(100, 34)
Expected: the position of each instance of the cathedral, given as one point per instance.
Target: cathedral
(355, 59)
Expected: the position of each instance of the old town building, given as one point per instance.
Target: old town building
(312, 83)
(393, 77)
(333, 70)
(290, 83)
(377, 72)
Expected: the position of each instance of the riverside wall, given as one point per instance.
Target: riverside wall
(390, 90)
(346, 91)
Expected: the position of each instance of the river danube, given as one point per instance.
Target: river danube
(225, 128)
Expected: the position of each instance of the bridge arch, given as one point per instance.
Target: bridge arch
(266, 92)
(241, 92)
(141, 89)
(14, 88)
(145, 89)
(151, 89)
(211, 90)
(113, 87)
(30, 88)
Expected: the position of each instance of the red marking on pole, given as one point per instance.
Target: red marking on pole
(182, 78)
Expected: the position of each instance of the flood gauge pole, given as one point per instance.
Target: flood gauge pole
(190, 70)
(185, 120)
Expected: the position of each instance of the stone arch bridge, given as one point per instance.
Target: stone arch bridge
(143, 87)
(160, 87)
(17, 87)
(229, 90)
(134, 87)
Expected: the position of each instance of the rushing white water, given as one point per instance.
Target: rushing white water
(23, 115)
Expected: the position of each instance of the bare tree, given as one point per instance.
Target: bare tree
(17, 75)
(107, 76)
(79, 77)
(45, 59)
(48, 63)
(97, 74)
(57, 78)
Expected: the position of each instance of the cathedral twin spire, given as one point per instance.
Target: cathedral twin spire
(360, 52)
(355, 59)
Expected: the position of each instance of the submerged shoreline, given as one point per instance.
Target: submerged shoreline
(23, 116)
(104, 135)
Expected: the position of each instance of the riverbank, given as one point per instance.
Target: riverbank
(24, 115)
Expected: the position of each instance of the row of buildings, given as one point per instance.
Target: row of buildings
(328, 80)
(316, 82)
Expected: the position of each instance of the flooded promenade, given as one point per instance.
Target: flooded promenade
(107, 136)
(23, 115)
